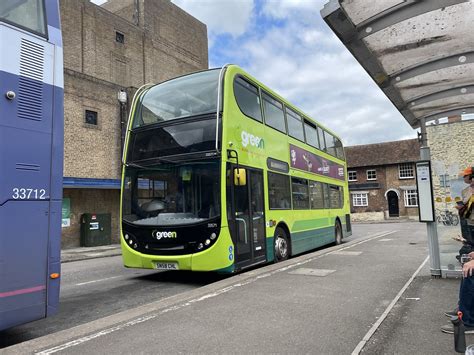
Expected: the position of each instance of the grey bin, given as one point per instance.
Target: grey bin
(96, 229)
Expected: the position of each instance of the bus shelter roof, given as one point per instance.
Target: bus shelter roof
(420, 53)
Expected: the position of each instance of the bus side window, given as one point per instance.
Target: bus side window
(300, 195)
(339, 149)
(330, 146)
(316, 195)
(327, 201)
(247, 98)
(295, 124)
(335, 195)
(279, 191)
(273, 110)
(311, 134)
(322, 144)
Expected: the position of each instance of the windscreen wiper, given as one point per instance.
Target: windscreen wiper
(159, 160)
(135, 165)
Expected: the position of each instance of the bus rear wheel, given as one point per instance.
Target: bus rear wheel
(282, 247)
(338, 233)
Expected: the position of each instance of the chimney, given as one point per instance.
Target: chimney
(452, 119)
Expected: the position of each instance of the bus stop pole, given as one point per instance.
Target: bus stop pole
(433, 243)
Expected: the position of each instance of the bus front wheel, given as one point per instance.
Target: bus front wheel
(282, 249)
(338, 233)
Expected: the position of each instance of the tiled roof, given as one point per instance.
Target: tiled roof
(383, 153)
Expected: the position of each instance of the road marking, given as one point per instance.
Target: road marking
(94, 281)
(385, 240)
(348, 253)
(384, 315)
(196, 300)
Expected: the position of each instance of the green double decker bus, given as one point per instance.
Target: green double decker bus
(220, 173)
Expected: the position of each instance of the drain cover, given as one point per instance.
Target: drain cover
(312, 272)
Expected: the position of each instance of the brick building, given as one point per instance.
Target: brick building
(382, 180)
(108, 49)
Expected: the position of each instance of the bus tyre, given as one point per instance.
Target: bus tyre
(282, 247)
(338, 233)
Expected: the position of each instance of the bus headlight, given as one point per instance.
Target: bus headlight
(213, 236)
(131, 240)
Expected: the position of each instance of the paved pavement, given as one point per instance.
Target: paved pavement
(372, 295)
(84, 253)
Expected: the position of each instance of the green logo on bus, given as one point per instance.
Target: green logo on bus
(248, 138)
(161, 235)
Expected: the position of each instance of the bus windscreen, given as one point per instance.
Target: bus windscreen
(171, 194)
(190, 95)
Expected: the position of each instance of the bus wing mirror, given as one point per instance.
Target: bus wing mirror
(240, 177)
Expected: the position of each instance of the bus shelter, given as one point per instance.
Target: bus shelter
(421, 55)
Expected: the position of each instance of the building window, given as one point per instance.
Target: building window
(371, 175)
(91, 117)
(119, 37)
(352, 175)
(406, 171)
(444, 181)
(360, 199)
(411, 198)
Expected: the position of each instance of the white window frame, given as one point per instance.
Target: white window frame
(375, 173)
(405, 168)
(408, 195)
(349, 175)
(360, 199)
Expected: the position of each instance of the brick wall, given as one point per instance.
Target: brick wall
(91, 151)
(160, 41)
(90, 201)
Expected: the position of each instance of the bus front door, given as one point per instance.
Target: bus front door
(248, 219)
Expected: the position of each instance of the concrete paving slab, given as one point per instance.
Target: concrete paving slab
(312, 272)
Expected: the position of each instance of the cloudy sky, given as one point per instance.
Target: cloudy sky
(286, 45)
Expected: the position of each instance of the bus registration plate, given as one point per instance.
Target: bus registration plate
(166, 266)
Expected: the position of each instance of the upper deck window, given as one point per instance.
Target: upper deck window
(247, 98)
(274, 116)
(322, 143)
(311, 134)
(339, 148)
(190, 95)
(330, 146)
(295, 124)
(28, 14)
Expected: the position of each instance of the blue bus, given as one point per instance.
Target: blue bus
(31, 159)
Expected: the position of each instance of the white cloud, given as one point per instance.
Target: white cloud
(284, 9)
(230, 16)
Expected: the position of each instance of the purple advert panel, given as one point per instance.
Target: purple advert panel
(307, 161)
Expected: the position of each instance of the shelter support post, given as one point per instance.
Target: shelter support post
(433, 243)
